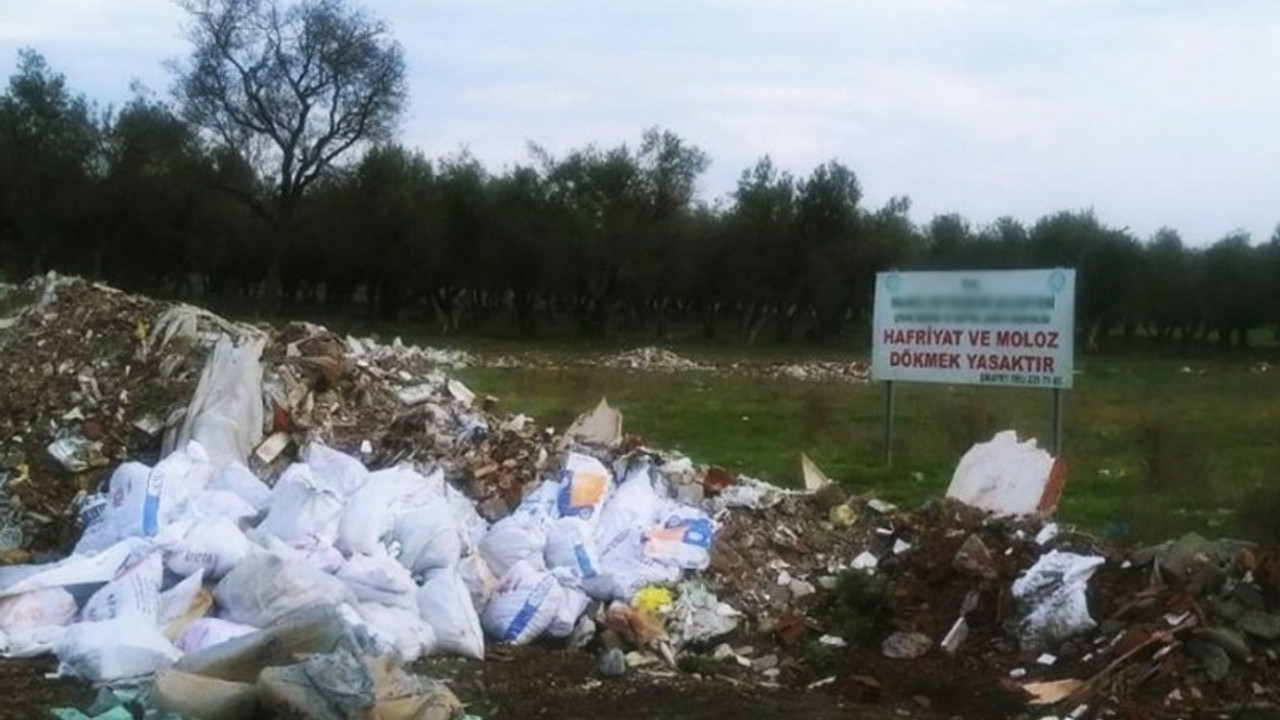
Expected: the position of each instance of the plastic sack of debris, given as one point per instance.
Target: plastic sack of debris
(133, 594)
(584, 487)
(213, 546)
(76, 570)
(515, 538)
(399, 630)
(445, 603)
(698, 616)
(471, 525)
(220, 504)
(571, 545)
(639, 502)
(625, 568)
(683, 539)
(208, 632)
(97, 526)
(1007, 477)
(318, 629)
(335, 469)
(370, 514)
(195, 696)
(344, 685)
(124, 648)
(310, 550)
(573, 604)
(1052, 597)
(238, 479)
(379, 579)
(302, 506)
(21, 616)
(479, 579)
(183, 604)
(265, 587)
(171, 485)
(225, 412)
(524, 605)
(428, 536)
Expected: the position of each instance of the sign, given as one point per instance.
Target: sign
(999, 327)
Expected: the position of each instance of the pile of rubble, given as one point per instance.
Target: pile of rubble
(379, 511)
(857, 371)
(650, 359)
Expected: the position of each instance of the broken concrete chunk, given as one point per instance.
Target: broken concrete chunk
(1260, 624)
(974, 558)
(602, 426)
(1230, 640)
(906, 645)
(1210, 656)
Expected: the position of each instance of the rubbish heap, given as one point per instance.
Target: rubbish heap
(280, 517)
(857, 371)
(651, 359)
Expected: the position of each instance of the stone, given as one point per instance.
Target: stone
(975, 558)
(1249, 596)
(613, 663)
(906, 646)
(800, 588)
(1226, 609)
(722, 652)
(1260, 624)
(1144, 556)
(767, 662)
(1187, 554)
(1230, 640)
(1210, 656)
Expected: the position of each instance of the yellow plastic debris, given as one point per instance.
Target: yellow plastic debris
(140, 329)
(652, 599)
(844, 516)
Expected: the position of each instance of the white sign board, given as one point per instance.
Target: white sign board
(998, 327)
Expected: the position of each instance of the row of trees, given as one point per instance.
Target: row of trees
(273, 177)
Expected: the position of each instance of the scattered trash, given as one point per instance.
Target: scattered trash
(1007, 477)
(1052, 595)
(814, 478)
(906, 645)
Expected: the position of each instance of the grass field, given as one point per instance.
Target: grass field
(1151, 448)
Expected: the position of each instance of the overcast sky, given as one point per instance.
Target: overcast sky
(1154, 112)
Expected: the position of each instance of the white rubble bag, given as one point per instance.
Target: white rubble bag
(575, 603)
(1006, 477)
(479, 579)
(399, 630)
(428, 537)
(213, 546)
(379, 579)
(221, 504)
(265, 587)
(639, 502)
(239, 479)
(470, 523)
(684, 539)
(301, 506)
(524, 605)
(110, 651)
(225, 413)
(571, 545)
(310, 550)
(207, 632)
(584, 486)
(97, 525)
(75, 570)
(445, 604)
(134, 594)
(370, 513)
(513, 539)
(50, 607)
(625, 568)
(1052, 597)
(335, 469)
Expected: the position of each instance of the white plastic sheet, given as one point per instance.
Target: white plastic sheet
(1004, 476)
(225, 414)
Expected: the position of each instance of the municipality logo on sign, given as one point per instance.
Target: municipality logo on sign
(893, 282)
(1057, 281)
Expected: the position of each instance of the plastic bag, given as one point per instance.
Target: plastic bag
(75, 570)
(40, 608)
(575, 603)
(399, 630)
(625, 569)
(479, 579)
(301, 506)
(207, 632)
(310, 550)
(379, 579)
(370, 514)
(211, 504)
(471, 526)
(134, 594)
(570, 545)
(443, 601)
(113, 650)
(213, 546)
(170, 485)
(514, 539)
(684, 539)
(238, 479)
(428, 537)
(317, 629)
(183, 604)
(1052, 597)
(524, 605)
(265, 587)
(225, 413)
(638, 503)
(97, 528)
(584, 486)
(206, 698)
(336, 470)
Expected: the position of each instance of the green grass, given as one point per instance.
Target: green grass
(1151, 450)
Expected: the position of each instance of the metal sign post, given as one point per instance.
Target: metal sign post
(888, 424)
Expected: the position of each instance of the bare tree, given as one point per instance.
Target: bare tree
(291, 88)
